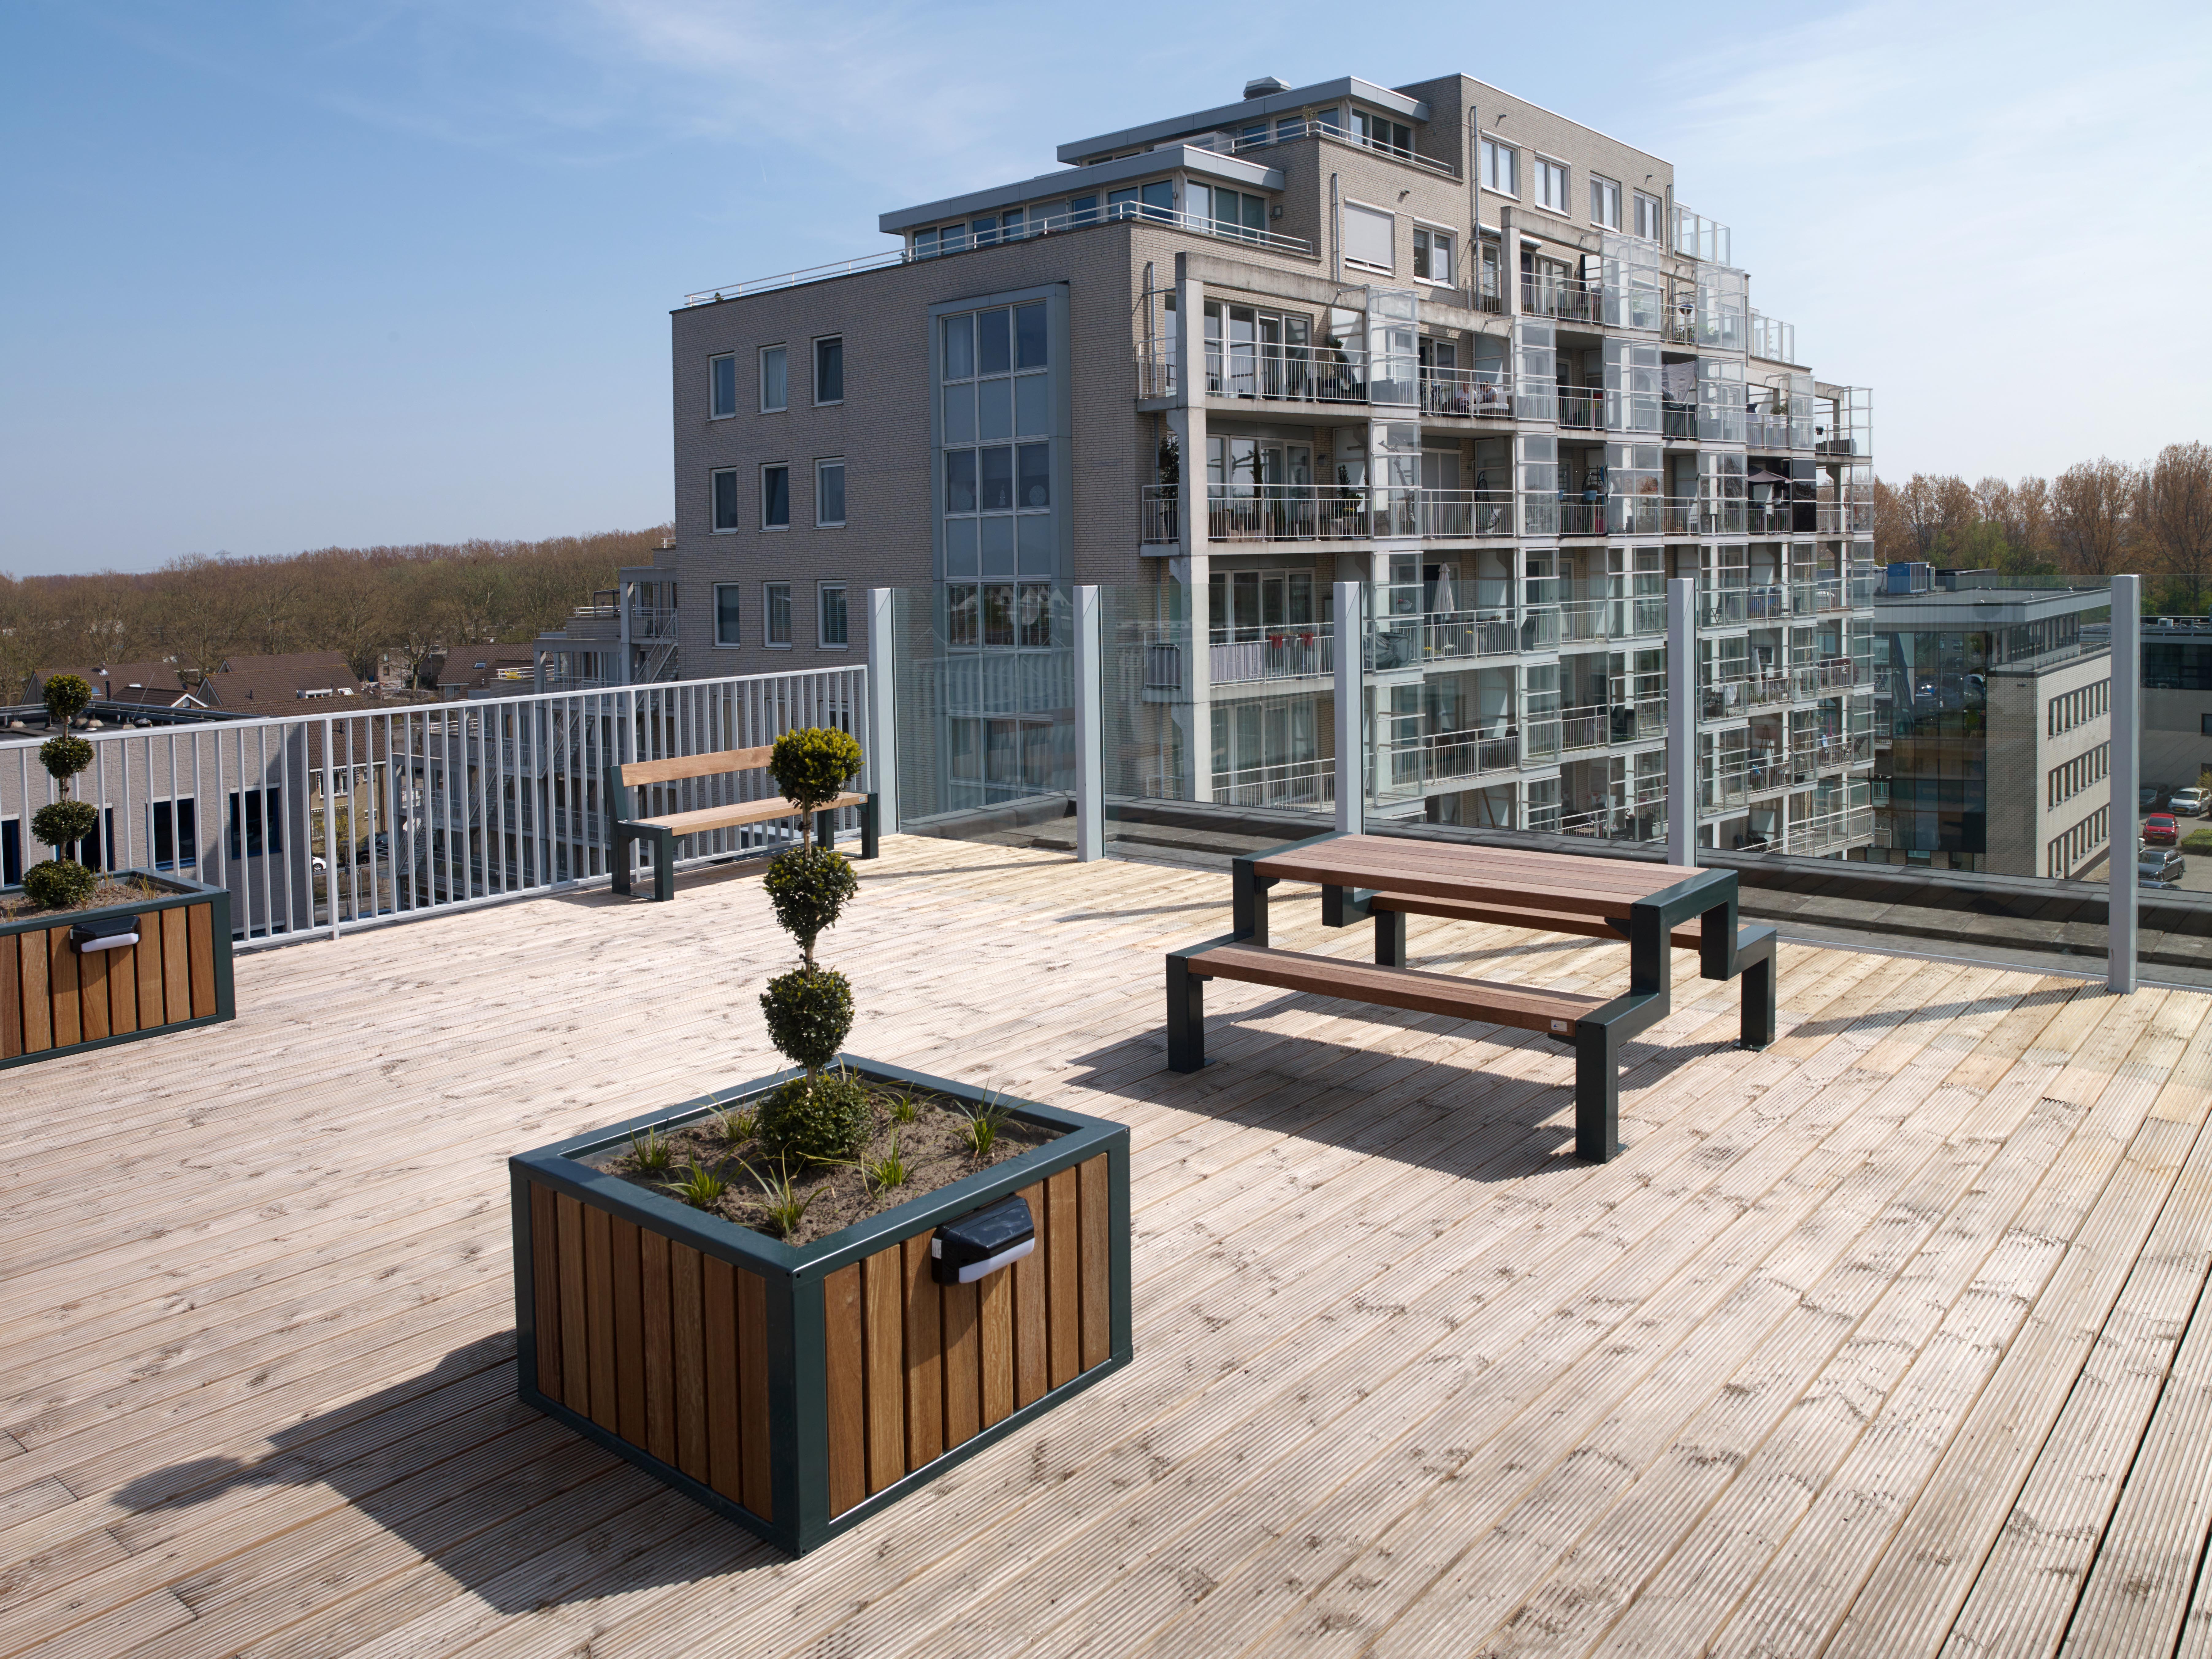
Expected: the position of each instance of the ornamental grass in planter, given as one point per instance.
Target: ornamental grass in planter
(773, 1297)
(87, 958)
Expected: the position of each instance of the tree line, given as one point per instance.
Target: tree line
(2100, 518)
(411, 603)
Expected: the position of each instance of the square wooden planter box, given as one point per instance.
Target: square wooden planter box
(799, 1389)
(55, 1000)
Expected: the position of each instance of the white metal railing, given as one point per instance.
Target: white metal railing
(1409, 765)
(1270, 373)
(1569, 298)
(1287, 130)
(1304, 512)
(319, 823)
(1274, 653)
(1481, 392)
(1305, 783)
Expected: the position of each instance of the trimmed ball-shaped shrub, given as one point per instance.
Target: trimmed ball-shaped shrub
(817, 1120)
(57, 884)
(809, 886)
(67, 696)
(812, 765)
(810, 1010)
(65, 822)
(63, 756)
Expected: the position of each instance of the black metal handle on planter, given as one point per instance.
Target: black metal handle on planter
(982, 1241)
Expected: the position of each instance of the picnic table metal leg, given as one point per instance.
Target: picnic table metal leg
(1759, 995)
(1247, 902)
(1186, 1017)
(1597, 1092)
(1391, 938)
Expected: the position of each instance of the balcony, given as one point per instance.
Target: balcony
(1328, 376)
(1567, 298)
(1416, 765)
(1582, 408)
(1285, 653)
(1301, 785)
(1327, 513)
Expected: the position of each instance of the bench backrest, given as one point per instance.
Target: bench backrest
(633, 772)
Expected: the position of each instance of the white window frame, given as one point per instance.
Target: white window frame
(1599, 182)
(1486, 158)
(814, 370)
(731, 358)
(1565, 205)
(1450, 238)
(761, 382)
(737, 517)
(769, 591)
(1347, 207)
(1658, 215)
(721, 644)
(767, 467)
(821, 523)
(821, 592)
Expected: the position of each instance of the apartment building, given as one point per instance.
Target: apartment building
(1433, 339)
(1993, 723)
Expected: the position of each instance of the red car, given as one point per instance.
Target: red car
(2162, 830)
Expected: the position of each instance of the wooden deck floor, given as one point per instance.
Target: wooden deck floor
(1885, 1341)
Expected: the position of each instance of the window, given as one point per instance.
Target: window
(1371, 237)
(726, 613)
(775, 606)
(994, 424)
(925, 243)
(829, 370)
(1501, 169)
(175, 834)
(772, 379)
(264, 829)
(833, 616)
(1380, 132)
(1229, 212)
(775, 497)
(1083, 209)
(1552, 185)
(1152, 201)
(1648, 208)
(721, 387)
(1432, 255)
(723, 490)
(829, 492)
(1604, 203)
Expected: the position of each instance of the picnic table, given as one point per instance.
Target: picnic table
(1385, 879)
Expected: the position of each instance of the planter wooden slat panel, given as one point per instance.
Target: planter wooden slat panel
(799, 1388)
(54, 998)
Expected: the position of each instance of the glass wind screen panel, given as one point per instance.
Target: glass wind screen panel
(1632, 385)
(1724, 321)
(1537, 391)
(1540, 485)
(1632, 471)
(1635, 292)
(1722, 400)
(1394, 346)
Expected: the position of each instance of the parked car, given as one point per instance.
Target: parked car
(2149, 797)
(2162, 830)
(2189, 802)
(2158, 866)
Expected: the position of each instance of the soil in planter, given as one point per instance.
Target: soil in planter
(838, 1195)
(131, 890)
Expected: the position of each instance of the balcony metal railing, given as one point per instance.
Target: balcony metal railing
(1409, 765)
(1284, 374)
(1568, 298)
(1396, 642)
(1476, 392)
(1582, 408)
(1275, 653)
(1285, 131)
(1304, 783)
(1326, 513)
(1693, 516)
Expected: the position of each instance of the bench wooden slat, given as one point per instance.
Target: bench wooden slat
(1555, 1012)
(738, 812)
(1684, 937)
(694, 766)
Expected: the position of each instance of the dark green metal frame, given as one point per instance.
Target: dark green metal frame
(182, 894)
(1725, 951)
(622, 830)
(798, 1425)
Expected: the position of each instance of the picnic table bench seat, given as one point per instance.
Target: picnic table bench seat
(662, 831)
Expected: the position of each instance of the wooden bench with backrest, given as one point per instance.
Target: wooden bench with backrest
(1651, 909)
(663, 831)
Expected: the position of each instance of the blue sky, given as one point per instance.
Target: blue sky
(282, 275)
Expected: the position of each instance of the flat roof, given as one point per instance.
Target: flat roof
(1227, 168)
(1244, 109)
(1984, 607)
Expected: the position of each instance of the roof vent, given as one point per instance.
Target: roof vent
(1262, 85)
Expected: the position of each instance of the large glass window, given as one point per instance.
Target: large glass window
(1552, 185)
(829, 370)
(1501, 169)
(1380, 132)
(773, 388)
(998, 489)
(722, 492)
(775, 609)
(1432, 255)
(775, 497)
(726, 613)
(258, 815)
(833, 616)
(721, 387)
(1605, 202)
(829, 492)
(1153, 201)
(1229, 212)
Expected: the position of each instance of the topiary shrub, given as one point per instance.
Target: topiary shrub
(65, 822)
(810, 1010)
(809, 886)
(811, 766)
(817, 1120)
(57, 884)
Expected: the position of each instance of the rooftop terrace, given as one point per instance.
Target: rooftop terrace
(1887, 1338)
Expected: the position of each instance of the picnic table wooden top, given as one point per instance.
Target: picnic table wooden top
(1490, 875)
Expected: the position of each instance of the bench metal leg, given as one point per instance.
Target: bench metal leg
(825, 828)
(1186, 1017)
(618, 863)
(664, 867)
(1597, 1092)
(1391, 938)
(871, 825)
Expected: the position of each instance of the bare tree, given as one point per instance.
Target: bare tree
(2173, 504)
(2092, 515)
